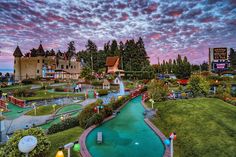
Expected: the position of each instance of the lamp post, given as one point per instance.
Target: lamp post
(60, 153)
(215, 86)
(97, 108)
(68, 146)
(1, 128)
(54, 107)
(170, 142)
(35, 108)
(152, 102)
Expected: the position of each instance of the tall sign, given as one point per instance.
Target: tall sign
(220, 54)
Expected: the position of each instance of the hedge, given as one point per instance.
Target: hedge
(67, 124)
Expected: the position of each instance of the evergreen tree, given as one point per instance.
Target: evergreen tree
(91, 49)
(121, 48)
(232, 58)
(114, 48)
(204, 66)
(33, 52)
(71, 49)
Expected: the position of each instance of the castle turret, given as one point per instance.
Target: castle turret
(17, 63)
(40, 50)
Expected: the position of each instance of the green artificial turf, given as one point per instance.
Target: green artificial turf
(42, 94)
(62, 138)
(205, 127)
(43, 110)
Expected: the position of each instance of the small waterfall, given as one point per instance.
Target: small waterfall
(122, 88)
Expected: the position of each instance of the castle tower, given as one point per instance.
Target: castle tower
(40, 56)
(17, 63)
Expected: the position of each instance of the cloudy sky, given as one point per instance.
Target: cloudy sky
(168, 27)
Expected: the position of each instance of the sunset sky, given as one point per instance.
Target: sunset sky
(168, 27)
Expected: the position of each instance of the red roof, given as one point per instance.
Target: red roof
(111, 61)
(183, 82)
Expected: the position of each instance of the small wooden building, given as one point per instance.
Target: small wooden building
(106, 84)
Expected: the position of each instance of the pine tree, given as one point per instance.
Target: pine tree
(232, 58)
(91, 49)
(71, 49)
(114, 48)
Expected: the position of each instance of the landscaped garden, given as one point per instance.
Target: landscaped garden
(43, 110)
(62, 138)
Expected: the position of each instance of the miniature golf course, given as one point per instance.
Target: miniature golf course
(65, 109)
(126, 135)
(14, 111)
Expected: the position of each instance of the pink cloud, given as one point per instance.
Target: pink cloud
(155, 36)
(124, 17)
(151, 8)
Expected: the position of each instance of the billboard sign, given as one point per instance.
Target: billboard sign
(220, 66)
(220, 54)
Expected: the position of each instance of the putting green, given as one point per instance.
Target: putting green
(127, 135)
(68, 108)
(55, 121)
(64, 109)
(15, 111)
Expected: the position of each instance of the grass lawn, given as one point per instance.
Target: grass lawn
(62, 138)
(43, 110)
(42, 94)
(205, 127)
(11, 88)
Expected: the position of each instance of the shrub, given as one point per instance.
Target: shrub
(24, 93)
(88, 117)
(87, 113)
(97, 118)
(42, 148)
(199, 85)
(157, 90)
(67, 124)
(102, 92)
(96, 83)
(27, 81)
(59, 89)
(46, 87)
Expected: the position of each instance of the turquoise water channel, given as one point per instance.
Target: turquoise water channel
(127, 135)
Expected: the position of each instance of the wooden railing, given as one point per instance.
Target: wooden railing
(18, 102)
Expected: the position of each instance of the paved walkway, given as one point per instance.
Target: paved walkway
(87, 101)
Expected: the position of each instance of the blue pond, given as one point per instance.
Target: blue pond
(127, 135)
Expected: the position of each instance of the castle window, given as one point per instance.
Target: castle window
(74, 67)
(14, 61)
(67, 66)
(38, 61)
(37, 71)
(71, 67)
(62, 66)
(14, 71)
(43, 60)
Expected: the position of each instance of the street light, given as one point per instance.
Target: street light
(1, 125)
(169, 142)
(68, 146)
(54, 107)
(60, 153)
(34, 107)
(152, 102)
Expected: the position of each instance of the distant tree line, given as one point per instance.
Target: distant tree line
(132, 54)
(181, 67)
